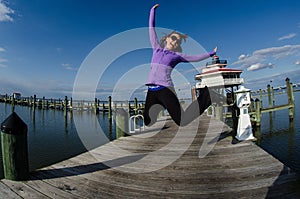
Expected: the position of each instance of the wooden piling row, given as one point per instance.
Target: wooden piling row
(68, 104)
(259, 109)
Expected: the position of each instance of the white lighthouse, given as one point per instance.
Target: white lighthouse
(244, 129)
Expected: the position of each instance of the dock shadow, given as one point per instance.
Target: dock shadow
(286, 185)
(223, 135)
(83, 169)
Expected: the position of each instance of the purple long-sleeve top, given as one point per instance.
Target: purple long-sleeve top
(163, 60)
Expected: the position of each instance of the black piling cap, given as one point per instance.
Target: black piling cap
(13, 124)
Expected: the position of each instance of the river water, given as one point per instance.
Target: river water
(52, 136)
(280, 137)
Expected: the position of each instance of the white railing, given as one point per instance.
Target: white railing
(136, 123)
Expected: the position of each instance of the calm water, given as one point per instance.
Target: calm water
(53, 137)
(280, 137)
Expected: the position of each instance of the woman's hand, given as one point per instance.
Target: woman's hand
(215, 50)
(155, 6)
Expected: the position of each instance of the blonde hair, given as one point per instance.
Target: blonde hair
(163, 40)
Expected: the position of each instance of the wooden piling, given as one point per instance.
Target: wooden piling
(135, 106)
(289, 90)
(235, 117)
(47, 104)
(13, 104)
(71, 104)
(273, 95)
(219, 112)
(109, 108)
(291, 99)
(66, 106)
(34, 101)
(269, 96)
(54, 104)
(96, 108)
(121, 122)
(14, 148)
(257, 112)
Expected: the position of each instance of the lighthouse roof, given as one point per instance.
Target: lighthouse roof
(218, 70)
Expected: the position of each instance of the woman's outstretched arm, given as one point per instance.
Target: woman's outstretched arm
(196, 58)
(152, 32)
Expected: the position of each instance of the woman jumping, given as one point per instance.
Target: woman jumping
(161, 93)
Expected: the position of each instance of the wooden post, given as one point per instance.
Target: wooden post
(291, 99)
(269, 95)
(59, 104)
(71, 104)
(121, 122)
(103, 107)
(6, 98)
(288, 90)
(135, 106)
(47, 104)
(109, 108)
(43, 103)
(96, 106)
(292, 94)
(66, 106)
(13, 103)
(235, 117)
(257, 112)
(34, 100)
(219, 112)
(252, 105)
(273, 95)
(54, 104)
(14, 148)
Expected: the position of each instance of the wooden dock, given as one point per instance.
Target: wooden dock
(230, 170)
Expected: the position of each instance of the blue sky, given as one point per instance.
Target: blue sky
(44, 43)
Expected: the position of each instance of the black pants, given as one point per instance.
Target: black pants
(166, 98)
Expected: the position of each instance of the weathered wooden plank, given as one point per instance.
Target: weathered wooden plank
(23, 190)
(6, 192)
(49, 190)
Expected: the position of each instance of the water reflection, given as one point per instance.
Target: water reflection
(52, 135)
(279, 141)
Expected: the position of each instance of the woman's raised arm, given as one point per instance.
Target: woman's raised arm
(152, 32)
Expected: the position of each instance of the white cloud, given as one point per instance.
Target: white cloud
(259, 66)
(2, 65)
(289, 36)
(68, 66)
(241, 57)
(5, 12)
(297, 62)
(2, 61)
(262, 56)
